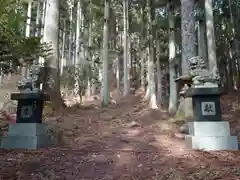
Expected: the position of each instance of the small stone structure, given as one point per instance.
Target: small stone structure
(184, 82)
(33, 81)
(28, 132)
(207, 131)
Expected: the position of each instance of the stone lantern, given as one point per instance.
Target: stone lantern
(29, 132)
(207, 131)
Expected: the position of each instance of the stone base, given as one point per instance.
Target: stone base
(209, 128)
(212, 143)
(211, 136)
(26, 136)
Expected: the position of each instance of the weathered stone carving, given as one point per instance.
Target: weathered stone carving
(202, 77)
(33, 81)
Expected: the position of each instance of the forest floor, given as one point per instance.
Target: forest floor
(125, 141)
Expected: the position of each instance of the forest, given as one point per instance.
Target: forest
(118, 74)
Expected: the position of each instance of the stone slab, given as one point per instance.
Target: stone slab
(26, 142)
(212, 143)
(212, 91)
(26, 129)
(26, 136)
(30, 95)
(211, 128)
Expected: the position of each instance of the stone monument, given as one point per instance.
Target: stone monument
(207, 131)
(29, 132)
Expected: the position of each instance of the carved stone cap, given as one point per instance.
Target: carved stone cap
(216, 91)
(30, 96)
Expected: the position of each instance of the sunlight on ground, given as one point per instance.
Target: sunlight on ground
(122, 158)
(176, 148)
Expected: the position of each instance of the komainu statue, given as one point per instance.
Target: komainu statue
(202, 77)
(33, 80)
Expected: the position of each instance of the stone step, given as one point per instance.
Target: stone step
(26, 142)
(27, 136)
(212, 143)
(27, 129)
(209, 128)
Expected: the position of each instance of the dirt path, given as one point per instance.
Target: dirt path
(121, 142)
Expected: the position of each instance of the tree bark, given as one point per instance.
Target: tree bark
(104, 92)
(172, 108)
(159, 74)
(126, 49)
(212, 57)
(52, 83)
(188, 33)
(70, 57)
(188, 46)
(202, 48)
(151, 64)
(63, 63)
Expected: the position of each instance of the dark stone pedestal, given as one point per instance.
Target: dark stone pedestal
(28, 132)
(206, 103)
(208, 131)
(30, 106)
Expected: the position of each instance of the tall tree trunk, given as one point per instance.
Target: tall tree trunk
(83, 50)
(70, 41)
(159, 74)
(188, 46)
(188, 33)
(148, 70)
(63, 59)
(43, 15)
(126, 49)
(142, 73)
(29, 16)
(104, 92)
(94, 85)
(78, 29)
(90, 52)
(212, 57)
(27, 34)
(172, 108)
(151, 82)
(202, 48)
(38, 16)
(230, 65)
(236, 50)
(52, 84)
(130, 65)
(43, 30)
(117, 61)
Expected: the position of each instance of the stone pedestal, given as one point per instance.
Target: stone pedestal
(26, 136)
(208, 131)
(210, 135)
(206, 103)
(28, 132)
(30, 106)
